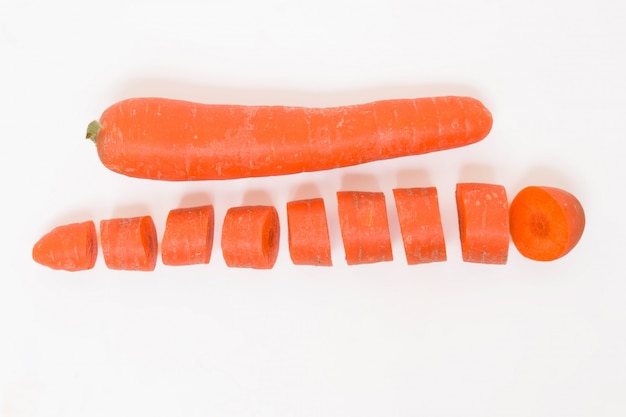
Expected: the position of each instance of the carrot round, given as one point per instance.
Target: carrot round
(250, 237)
(420, 224)
(364, 227)
(188, 236)
(72, 247)
(546, 222)
(309, 242)
(483, 213)
(165, 139)
(129, 243)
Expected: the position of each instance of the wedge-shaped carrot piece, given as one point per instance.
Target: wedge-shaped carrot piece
(483, 212)
(309, 242)
(250, 237)
(420, 224)
(72, 247)
(546, 222)
(364, 227)
(188, 236)
(129, 243)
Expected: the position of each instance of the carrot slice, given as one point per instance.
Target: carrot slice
(72, 247)
(420, 224)
(364, 227)
(129, 243)
(250, 237)
(483, 222)
(188, 236)
(546, 222)
(309, 242)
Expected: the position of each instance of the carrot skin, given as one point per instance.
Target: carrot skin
(420, 224)
(250, 237)
(546, 222)
(188, 236)
(174, 140)
(483, 213)
(72, 247)
(129, 243)
(364, 227)
(309, 241)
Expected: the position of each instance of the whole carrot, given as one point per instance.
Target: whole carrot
(546, 222)
(164, 139)
(71, 247)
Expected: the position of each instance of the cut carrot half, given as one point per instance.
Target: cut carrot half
(420, 224)
(250, 237)
(72, 247)
(364, 227)
(483, 212)
(188, 236)
(129, 243)
(546, 222)
(309, 242)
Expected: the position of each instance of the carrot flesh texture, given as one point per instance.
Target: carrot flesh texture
(129, 243)
(483, 213)
(546, 222)
(72, 247)
(176, 140)
(420, 224)
(309, 241)
(250, 237)
(364, 227)
(188, 236)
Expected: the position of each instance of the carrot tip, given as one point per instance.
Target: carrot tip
(71, 247)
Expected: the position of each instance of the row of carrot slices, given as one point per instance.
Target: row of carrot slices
(544, 223)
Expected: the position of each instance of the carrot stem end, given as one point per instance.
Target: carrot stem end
(92, 131)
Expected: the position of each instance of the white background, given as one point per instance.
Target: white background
(446, 339)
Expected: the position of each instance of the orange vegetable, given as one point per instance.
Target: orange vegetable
(546, 222)
(364, 227)
(71, 247)
(420, 224)
(309, 242)
(483, 212)
(129, 243)
(175, 140)
(250, 237)
(188, 236)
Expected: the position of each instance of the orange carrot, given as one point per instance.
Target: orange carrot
(309, 242)
(364, 227)
(164, 139)
(420, 224)
(188, 236)
(250, 237)
(546, 222)
(129, 243)
(71, 247)
(483, 212)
